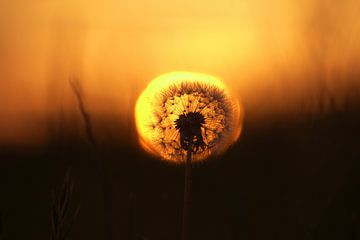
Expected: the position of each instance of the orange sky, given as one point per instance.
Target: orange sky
(266, 51)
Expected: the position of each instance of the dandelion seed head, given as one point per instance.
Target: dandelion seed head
(183, 110)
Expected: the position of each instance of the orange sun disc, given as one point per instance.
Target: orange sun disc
(176, 94)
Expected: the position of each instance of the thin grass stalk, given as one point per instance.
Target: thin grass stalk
(74, 83)
(99, 162)
(61, 220)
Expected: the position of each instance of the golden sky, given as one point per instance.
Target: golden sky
(265, 51)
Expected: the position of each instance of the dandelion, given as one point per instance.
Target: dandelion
(185, 117)
(181, 112)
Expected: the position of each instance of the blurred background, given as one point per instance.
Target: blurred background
(70, 74)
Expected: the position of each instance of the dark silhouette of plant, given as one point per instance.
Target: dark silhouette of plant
(98, 161)
(62, 218)
(75, 86)
(192, 120)
(189, 125)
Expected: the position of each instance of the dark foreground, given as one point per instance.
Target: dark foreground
(283, 180)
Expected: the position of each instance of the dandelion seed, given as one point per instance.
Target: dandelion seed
(187, 112)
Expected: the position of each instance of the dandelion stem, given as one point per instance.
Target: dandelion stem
(185, 216)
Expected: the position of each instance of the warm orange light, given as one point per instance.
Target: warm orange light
(277, 55)
(170, 95)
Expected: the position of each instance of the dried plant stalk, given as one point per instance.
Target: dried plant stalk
(74, 83)
(62, 218)
(99, 162)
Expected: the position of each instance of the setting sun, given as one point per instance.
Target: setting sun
(174, 94)
(118, 116)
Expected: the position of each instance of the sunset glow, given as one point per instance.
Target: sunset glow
(265, 52)
(169, 96)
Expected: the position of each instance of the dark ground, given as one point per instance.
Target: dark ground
(283, 180)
